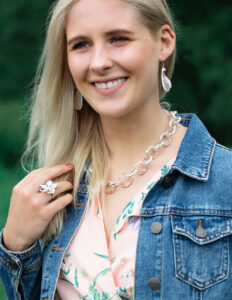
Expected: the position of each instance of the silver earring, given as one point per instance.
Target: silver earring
(78, 101)
(166, 82)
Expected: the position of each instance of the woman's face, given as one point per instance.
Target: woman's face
(113, 57)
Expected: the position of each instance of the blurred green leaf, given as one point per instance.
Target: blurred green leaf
(12, 132)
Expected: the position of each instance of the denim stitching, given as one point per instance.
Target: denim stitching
(213, 212)
(162, 239)
(26, 254)
(188, 233)
(203, 282)
(79, 203)
(223, 147)
(205, 166)
(58, 248)
(5, 261)
(177, 242)
(32, 268)
(198, 295)
(175, 252)
(195, 280)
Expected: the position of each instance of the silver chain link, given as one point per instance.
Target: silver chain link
(140, 167)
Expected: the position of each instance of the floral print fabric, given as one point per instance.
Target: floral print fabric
(92, 271)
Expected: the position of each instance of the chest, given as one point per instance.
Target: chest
(114, 204)
(112, 208)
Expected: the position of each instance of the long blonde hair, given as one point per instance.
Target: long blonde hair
(58, 133)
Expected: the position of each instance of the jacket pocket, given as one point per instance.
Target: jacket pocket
(201, 249)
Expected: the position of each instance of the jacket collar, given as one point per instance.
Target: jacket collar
(196, 151)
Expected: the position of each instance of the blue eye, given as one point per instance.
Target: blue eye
(80, 45)
(118, 39)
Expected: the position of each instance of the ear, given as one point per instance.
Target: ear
(168, 42)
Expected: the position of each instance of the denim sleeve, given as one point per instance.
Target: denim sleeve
(20, 272)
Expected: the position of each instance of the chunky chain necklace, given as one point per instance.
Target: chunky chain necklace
(140, 167)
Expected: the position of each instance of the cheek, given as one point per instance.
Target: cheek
(139, 60)
(76, 67)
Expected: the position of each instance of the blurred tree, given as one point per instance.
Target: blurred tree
(22, 29)
(202, 81)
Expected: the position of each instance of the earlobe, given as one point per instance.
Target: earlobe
(168, 42)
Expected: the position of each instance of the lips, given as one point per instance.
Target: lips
(109, 86)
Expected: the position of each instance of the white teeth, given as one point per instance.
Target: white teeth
(109, 84)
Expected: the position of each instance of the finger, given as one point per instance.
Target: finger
(29, 178)
(53, 172)
(62, 187)
(58, 204)
(42, 175)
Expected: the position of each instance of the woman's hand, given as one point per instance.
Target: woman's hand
(31, 210)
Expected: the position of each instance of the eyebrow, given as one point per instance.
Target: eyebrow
(108, 33)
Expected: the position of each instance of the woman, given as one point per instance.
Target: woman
(158, 220)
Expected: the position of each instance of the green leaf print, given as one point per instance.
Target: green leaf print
(106, 296)
(67, 256)
(125, 212)
(123, 289)
(66, 281)
(87, 298)
(68, 271)
(127, 209)
(150, 185)
(102, 273)
(123, 293)
(165, 169)
(76, 279)
(101, 255)
(143, 196)
(94, 293)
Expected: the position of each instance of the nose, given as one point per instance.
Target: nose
(100, 60)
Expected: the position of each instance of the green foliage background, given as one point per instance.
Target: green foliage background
(202, 82)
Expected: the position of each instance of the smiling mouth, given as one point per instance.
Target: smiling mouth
(110, 84)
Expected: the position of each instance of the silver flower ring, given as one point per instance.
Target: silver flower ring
(48, 187)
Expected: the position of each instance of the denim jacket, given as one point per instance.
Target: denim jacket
(184, 248)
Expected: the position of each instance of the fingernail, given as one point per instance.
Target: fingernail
(69, 165)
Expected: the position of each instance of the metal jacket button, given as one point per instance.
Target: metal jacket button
(200, 232)
(167, 182)
(13, 265)
(154, 283)
(156, 227)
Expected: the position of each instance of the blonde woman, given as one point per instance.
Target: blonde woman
(129, 201)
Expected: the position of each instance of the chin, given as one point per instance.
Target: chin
(112, 110)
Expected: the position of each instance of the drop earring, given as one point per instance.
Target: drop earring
(77, 101)
(166, 82)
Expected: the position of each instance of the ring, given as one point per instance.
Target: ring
(48, 187)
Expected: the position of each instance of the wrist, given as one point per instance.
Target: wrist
(13, 244)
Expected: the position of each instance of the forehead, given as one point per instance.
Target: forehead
(103, 14)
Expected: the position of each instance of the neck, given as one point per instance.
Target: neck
(128, 138)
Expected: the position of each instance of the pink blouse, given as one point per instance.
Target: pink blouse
(90, 270)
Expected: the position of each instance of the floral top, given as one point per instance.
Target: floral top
(92, 271)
